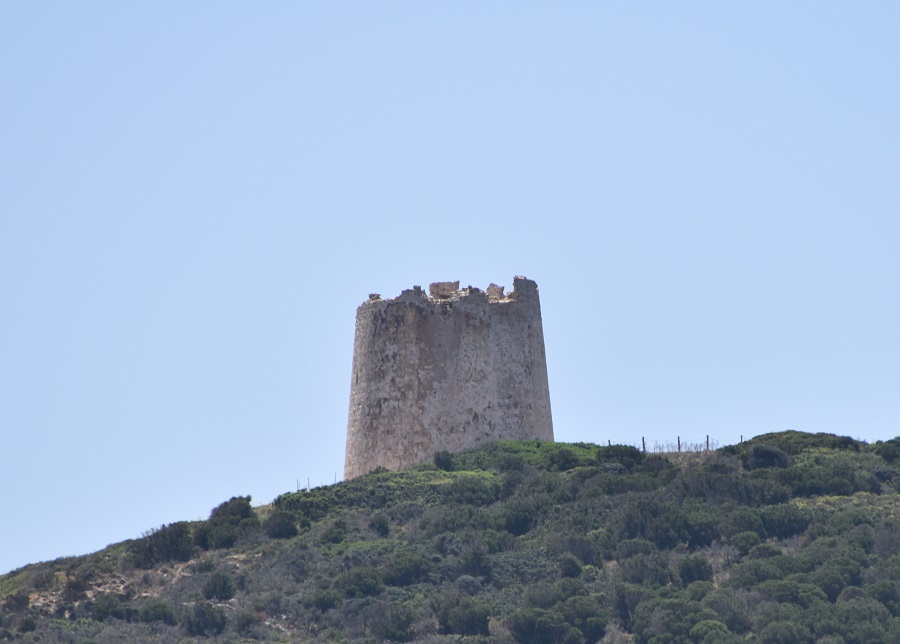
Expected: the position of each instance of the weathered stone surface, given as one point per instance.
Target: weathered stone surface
(445, 372)
(494, 292)
(443, 290)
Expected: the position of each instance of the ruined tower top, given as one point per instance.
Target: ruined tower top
(445, 371)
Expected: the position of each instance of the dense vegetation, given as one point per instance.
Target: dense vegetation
(789, 537)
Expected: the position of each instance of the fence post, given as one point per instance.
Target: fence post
(644, 444)
(679, 443)
(707, 442)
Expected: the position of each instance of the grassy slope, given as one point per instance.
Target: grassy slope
(789, 535)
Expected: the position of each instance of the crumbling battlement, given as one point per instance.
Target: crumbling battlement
(444, 371)
(450, 292)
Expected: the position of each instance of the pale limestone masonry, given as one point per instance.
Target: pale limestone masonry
(445, 371)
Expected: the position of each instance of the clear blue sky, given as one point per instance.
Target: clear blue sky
(195, 197)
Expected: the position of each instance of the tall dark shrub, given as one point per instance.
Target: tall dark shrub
(227, 523)
(694, 568)
(205, 620)
(538, 626)
(761, 456)
(232, 511)
(458, 614)
(444, 461)
(107, 605)
(171, 542)
(219, 586)
(624, 454)
(157, 610)
(280, 525)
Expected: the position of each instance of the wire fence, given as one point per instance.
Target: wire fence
(679, 445)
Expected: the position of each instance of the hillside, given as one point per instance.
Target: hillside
(789, 537)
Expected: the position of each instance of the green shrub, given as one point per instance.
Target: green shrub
(380, 524)
(832, 578)
(765, 491)
(205, 620)
(539, 626)
(633, 547)
(171, 542)
(107, 605)
(453, 518)
(702, 522)
(27, 624)
(227, 523)
(694, 568)
(16, 602)
(390, 622)
(626, 599)
(730, 607)
(280, 525)
(459, 614)
(784, 520)
(473, 561)
(786, 590)
(157, 609)
(562, 460)
(763, 456)
(793, 442)
(541, 595)
(710, 631)
(784, 633)
(219, 586)
(753, 572)
(471, 490)
(405, 568)
(652, 569)
(234, 510)
(245, 619)
(697, 590)
(668, 617)
(649, 517)
(336, 532)
(863, 620)
(886, 591)
(222, 536)
(520, 516)
(743, 519)
(569, 566)
(764, 551)
(745, 541)
(625, 455)
(888, 450)
(579, 546)
(444, 461)
(545, 595)
(324, 598)
(201, 535)
(360, 582)
(511, 463)
(587, 613)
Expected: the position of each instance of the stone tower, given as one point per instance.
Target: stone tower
(445, 371)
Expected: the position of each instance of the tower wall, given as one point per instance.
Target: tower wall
(445, 371)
